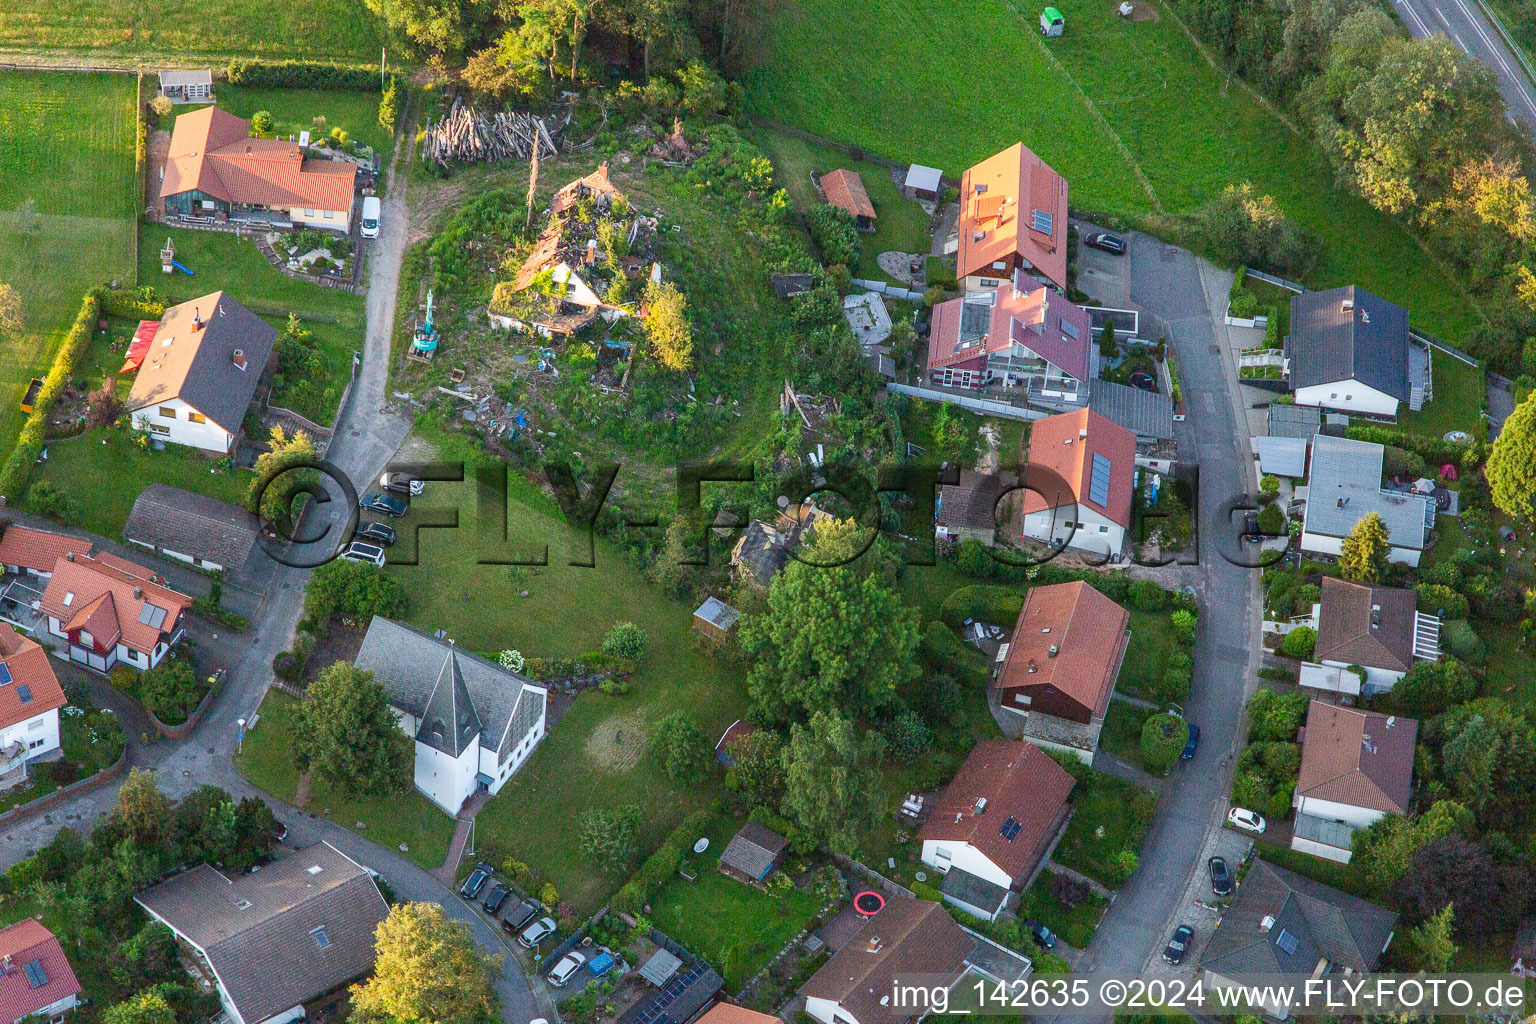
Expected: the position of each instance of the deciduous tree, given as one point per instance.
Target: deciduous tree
(1383, 850)
(277, 492)
(1511, 466)
(347, 735)
(832, 786)
(758, 772)
(679, 748)
(427, 970)
(666, 325)
(1489, 755)
(1487, 897)
(143, 812)
(1363, 554)
(144, 1008)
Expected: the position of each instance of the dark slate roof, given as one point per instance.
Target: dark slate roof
(753, 850)
(410, 665)
(192, 524)
(199, 366)
(1367, 342)
(960, 886)
(1143, 413)
(449, 723)
(1324, 922)
(787, 286)
(1294, 420)
(258, 930)
(972, 503)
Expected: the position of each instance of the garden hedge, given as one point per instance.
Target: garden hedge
(636, 893)
(302, 74)
(17, 470)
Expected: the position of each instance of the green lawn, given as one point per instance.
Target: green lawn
(66, 210)
(729, 922)
(900, 224)
(318, 29)
(1458, 402)
(267, 762)
(1109, 816)
(222, 261)
(295, 110)
(1121, 736)
(594, 756)
(1075, 925)
(1109, 99)
(1141, 674)
(105, 471)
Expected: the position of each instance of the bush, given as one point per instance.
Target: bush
(837, 239)
(1269, 485)
(171, 690)
(1147, 596)
(1402, 463)
(345, 587)
(908, 735)
(1435, 599)
(51, 501)
(1460, 639)
(1272, 520)
(1274, 717)
(301, 74)
(679, 748)
(1300, 642)
(262, 122)
(625, 640)
(1162, 741)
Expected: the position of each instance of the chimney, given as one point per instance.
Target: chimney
(1054, 650)
(591, 251)
(239, 358)
(197, 319)
(875, 945)
(981, 805)
(1348, 304)
(69, 555)
(138, 593)
(1266, 924)
(247, 150)
(1341, 503)
(1033, 668)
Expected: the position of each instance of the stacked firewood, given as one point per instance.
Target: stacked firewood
(468, 135)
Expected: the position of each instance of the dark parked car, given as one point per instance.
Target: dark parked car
(476, 881)
(1179, 944)
(373, 501)
(519, 916)
(499, 893)
(381, 534)
(1250, 526)
(1192, 743)
(1221, 877)
(1107, 242)
(1042, 934)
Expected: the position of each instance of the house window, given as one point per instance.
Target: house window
(990, 282)
(999, 264)
(1103, 529)
(209, 204)
(34, 744)
(167, 412)
(159, 428)
(319, 935)
(309, 213)
(330, 215)
(87, 639)
(36, 724)
(197, 417)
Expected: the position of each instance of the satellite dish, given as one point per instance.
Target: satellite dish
(701, 845)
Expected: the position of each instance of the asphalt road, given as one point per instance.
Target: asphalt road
(1465, 23)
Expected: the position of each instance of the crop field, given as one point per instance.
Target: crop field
(1129, 111)
(66, 210)
(320, 29)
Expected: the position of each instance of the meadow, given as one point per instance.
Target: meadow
(66, 210)
(318, 29)
(1128, 111)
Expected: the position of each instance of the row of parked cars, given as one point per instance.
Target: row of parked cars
(1221, 885)
(370, 539)
(523, 922)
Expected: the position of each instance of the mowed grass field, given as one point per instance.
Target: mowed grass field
(66, 210)
(1129, 112)
(320, 29)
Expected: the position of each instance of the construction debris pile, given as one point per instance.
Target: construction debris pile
(468, 135)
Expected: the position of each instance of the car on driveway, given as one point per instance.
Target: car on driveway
(519, 916)
(1106, 242)
(499, 893)
(476, 881)
(566, 968)
(1192, 742)
(1249, 821)
(1179, 944)
(1221, 876)
(373, 501)
(402, 483)
(537, 932)
(381, 534)
(357, 551)
(1042, 934)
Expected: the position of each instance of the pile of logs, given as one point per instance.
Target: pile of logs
(467, 135)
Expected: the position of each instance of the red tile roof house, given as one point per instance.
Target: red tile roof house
(34, 552)
(110, 611)
(1356, 768)
(30, 699)
(1021, 334)
(1013, 216)
(1056, 674)
(845, 190)
(216, 170)
(1078, 483)
(35, 977)
(992, 826)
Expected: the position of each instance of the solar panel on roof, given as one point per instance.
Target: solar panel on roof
(1042, 221)
(1069, 329)
(150, 615)
(1287, 942)
(1010, 829)
(37, 977)
(5, 673)
(1098, 481)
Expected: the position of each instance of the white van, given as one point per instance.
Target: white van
(371, 217)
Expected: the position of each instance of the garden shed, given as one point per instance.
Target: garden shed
(923, 182)
(753, 853)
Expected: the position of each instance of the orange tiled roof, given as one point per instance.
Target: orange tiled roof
(107, 601)
(1086, 630)
(845, 190)
(212, 151)
(1066, 444)
(38, 550)
(1013, 185)
(27, 662)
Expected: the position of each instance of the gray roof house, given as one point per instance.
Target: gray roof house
(188, 527)
(1344, 486)
(277, 939)
(1349, 350)
(1282, 923)
(474, 722)
(753, 852)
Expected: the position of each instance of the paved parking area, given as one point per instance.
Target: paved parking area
(1198, 907)
(1102, 275)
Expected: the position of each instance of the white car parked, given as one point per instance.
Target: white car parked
(357, 551)
(1250, 821)
(566, 968)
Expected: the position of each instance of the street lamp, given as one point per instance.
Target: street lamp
(240, 736)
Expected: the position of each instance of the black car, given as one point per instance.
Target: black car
(373, 501)
(1107, 242)
(1042, 934)
(519, 916)
(476, 881)
(499, 893)
(1179, 944)
(381, 534)
(1221, 877)
(1192, 744)
(1250, 526)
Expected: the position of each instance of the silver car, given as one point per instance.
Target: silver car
(568, 966)
(537, 932)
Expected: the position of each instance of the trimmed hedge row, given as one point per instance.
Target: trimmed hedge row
(128, 305)
(17, 471)
(1433, 449)
(302, 74)
(633, 897)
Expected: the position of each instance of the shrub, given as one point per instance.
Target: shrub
(262, 122)
(1273, 717)
(1069, 891)
(301, 74)
(908, 735)
(345, 587)
(51, 501)
(1300, 642)
(171, 690)
(1183, 622)
(935, 295)
(1272, 520)
(1269, 485)
(1400, 462)
(625, 640)
(1162, 741)
(1147, 596)
(679, 748)
(837, 239)
(1435, 598)
(1461, 640)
